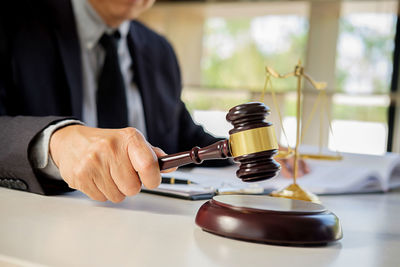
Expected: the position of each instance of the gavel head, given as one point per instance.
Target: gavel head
(252, 142)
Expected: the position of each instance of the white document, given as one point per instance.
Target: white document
(356, 173)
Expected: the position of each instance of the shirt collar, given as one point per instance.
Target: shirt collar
(90, 25)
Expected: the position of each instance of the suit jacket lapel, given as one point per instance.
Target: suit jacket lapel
(68, 43)
(136, 46)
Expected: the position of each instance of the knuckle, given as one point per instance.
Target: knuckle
(132, 189)
(101, 199)
(130, 132)
(101, 150)
(91, 157)
(98, 197)
(154, 183)
(105, 143)
(132, 135)
(117, 198)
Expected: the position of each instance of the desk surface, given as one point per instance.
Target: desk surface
(150, 230)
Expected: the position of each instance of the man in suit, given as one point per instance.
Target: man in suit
(88, 98)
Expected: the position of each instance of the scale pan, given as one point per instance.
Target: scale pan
(321, 157)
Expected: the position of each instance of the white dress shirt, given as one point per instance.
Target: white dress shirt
(90, 28)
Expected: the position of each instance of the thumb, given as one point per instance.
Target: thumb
(160, 153)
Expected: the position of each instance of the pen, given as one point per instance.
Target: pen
(172, 180)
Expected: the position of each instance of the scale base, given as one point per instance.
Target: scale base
(270, 220)
(294, 191)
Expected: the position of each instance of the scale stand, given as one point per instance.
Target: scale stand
(271, 220)
(294, 191)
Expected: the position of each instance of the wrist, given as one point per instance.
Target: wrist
(58, 139)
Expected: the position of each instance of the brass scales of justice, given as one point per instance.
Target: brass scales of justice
(294, 191)
(282, 220)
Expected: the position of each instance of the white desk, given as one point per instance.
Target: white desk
(150, 230)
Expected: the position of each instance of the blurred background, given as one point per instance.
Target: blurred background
(224, 46)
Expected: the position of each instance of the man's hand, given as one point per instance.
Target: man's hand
(105, 163)
(288, 164)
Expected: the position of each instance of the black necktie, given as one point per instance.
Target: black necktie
(112, 111)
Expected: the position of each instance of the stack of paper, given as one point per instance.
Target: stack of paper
(356, 173)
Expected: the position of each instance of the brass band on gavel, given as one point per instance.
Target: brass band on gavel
(252, 141)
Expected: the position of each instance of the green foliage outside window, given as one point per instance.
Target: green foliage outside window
(236, 51)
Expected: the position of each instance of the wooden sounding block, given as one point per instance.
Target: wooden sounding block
(270, 220)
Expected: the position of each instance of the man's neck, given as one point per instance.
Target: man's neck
(111, 21)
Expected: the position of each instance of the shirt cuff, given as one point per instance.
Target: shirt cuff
(40, 155)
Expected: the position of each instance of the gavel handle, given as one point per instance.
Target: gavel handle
(218, 150)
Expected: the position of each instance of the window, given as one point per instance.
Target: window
(235, 51)
(224, 46)
(363, 74)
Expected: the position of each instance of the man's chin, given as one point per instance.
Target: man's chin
(141, 4)
(134, 8)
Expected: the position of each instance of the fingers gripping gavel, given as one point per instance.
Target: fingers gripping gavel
(252, 143)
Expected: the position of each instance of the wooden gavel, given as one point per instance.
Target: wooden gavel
(252, 143)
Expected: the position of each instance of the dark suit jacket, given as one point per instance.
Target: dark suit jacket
(41, 82)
